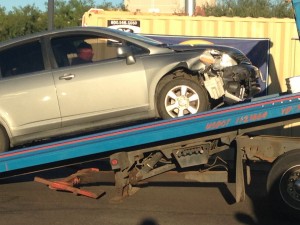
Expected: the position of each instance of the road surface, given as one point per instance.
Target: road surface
(162, 201)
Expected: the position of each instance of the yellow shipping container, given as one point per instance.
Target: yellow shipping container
(282, 33)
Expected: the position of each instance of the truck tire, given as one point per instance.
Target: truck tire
(181, 96)
(4, 141)
(283, 184)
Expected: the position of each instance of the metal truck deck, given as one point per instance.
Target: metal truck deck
(252, 114)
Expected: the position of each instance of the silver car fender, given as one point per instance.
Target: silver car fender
(159, 75)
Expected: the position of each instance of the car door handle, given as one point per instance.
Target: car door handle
(67, 76)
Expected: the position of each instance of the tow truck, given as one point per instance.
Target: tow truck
(195, 145)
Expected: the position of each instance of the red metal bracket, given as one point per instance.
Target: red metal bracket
(67, 184)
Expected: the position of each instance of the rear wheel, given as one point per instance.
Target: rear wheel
(180, 97)
(283, 184)
(4, 141)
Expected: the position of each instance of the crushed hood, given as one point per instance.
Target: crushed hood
(296, 6)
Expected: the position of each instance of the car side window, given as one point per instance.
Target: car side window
(137, 50)
(104, 48)
(22, 59)
(66, 49)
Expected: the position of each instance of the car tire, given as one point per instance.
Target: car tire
(4, 141)
(283, 184)
(181, 96)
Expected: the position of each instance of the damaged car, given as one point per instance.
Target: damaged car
(129, 78)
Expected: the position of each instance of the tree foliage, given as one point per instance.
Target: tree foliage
(69, 13)
(21, 21)
(30, 19)
(250, 8)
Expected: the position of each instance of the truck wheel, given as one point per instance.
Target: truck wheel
(180, 97)
(283, 184)
(4, 141)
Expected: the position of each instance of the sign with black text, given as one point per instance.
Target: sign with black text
(133, 26)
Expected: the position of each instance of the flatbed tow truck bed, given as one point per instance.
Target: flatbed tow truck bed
(253, 115)
(143, 151)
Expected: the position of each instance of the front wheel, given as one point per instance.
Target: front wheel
(180, 97)
(283, 184)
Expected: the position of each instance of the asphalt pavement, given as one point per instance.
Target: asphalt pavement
(164, 200)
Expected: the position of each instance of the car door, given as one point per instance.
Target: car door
(28, 101)
(106, 88)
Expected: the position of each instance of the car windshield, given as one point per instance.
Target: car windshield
(139, 37)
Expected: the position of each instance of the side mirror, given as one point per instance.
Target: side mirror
(125, 52)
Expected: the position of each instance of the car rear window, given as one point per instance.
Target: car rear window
(21, 59)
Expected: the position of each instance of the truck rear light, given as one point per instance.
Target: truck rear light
(114, 162)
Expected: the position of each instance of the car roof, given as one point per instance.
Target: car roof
(132, 37)
(56, 31)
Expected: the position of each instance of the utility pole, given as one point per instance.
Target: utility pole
(50, 14)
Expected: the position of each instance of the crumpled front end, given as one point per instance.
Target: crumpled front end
(229, 75)
(241, 82)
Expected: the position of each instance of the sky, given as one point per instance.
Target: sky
(9, 4)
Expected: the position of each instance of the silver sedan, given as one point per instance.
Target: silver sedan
(81, 79)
